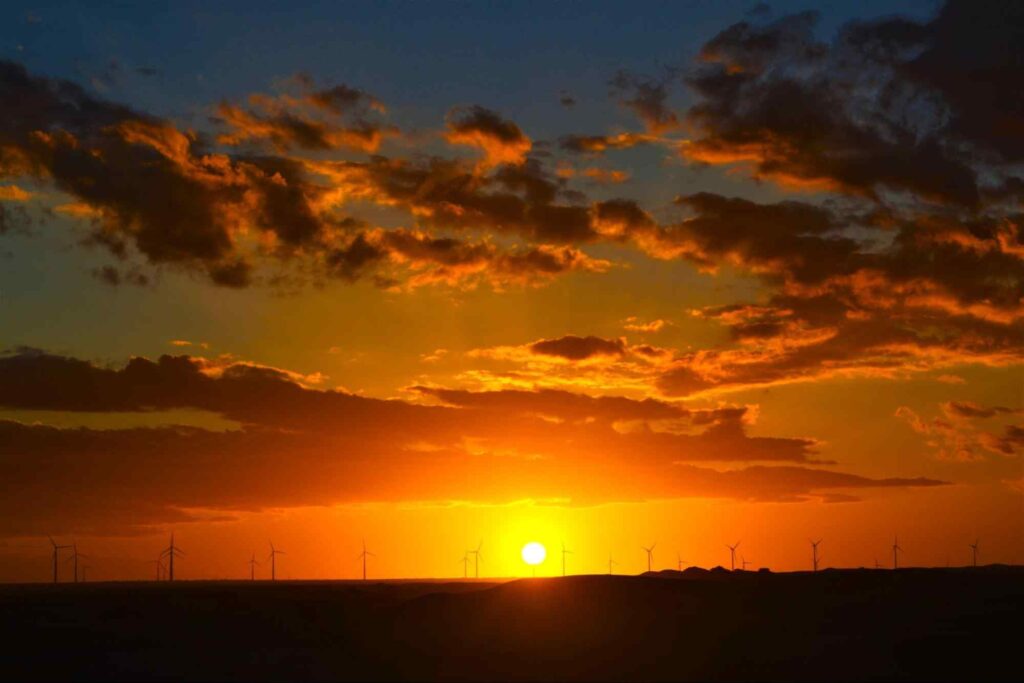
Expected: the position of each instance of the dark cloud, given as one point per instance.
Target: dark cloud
(572, 347)
(926, 109)
(299, 446)
(852, 291)
(145, 183)
(501, 140)
(524, 199)
(315, 119)
(647, 98)
(973, 410)
(426, 259)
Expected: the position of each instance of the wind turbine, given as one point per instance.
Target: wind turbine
(895, 552)
(274, 552)
(74, 556)
(743, 563)
(732, 555)
(564, 553)
(974, 552)
(465, 565)
(363, 555)
(814, 552)
(611, 563)
(679, 562)
(650, 555)
(159, 567)
(477, 558)
(171, 552)
(84, 568)
(56, 554)
(252, 566)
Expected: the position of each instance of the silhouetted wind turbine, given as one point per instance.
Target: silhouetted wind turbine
(476, 559)
(743, 563)
(252, 566)
(814, 551)
(732, 555)
(171, 552)
(564, 553)
(84, 568)
(650, 555)
(974, 552)
(611, 563)
(274, 552)
(56, 553)
(363, 555)
(679, 562)
(895, 552)
(74, 556)
(159, 567)
(465, 565)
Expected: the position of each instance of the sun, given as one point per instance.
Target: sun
(534, 553)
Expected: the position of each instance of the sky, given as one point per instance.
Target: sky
(431, 275)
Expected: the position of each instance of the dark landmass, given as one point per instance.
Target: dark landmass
(913, 624)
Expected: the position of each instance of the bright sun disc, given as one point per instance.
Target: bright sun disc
(534, 553)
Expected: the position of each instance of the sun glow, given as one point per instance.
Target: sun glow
(534, 553)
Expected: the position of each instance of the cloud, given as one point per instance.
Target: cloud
(888, 107)
(295, 445)
(501, 140)
(598, 144)
(647, 98)
(636, 325)
(312, 119)
(572, 347)
(415, 258)
(957, 436)
(239, 217)
(13, 193)
(522, 200)
(850, 292)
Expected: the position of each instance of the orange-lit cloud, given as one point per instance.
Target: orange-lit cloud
(549, 445)
(956, 435)
(500, 139)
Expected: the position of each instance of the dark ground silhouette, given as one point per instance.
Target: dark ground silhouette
(937, 624)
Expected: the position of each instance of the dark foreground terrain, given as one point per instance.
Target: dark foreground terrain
(952, 624)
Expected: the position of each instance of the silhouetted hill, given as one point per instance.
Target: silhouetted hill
(937, 624)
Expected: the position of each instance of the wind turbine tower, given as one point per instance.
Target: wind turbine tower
(564, 553)
(814, 552)
(465, 565)
(160, 568)
(896, 552)
(56, 555)
(679, 562)
(171, 552)
(363, 555)
(477, 558)
(732, 555)
(274, 552)
(974, 552)
(252, 566)
(611, 563)
(650, 555)
(74, 556)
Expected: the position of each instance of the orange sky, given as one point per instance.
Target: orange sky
(679, 313)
